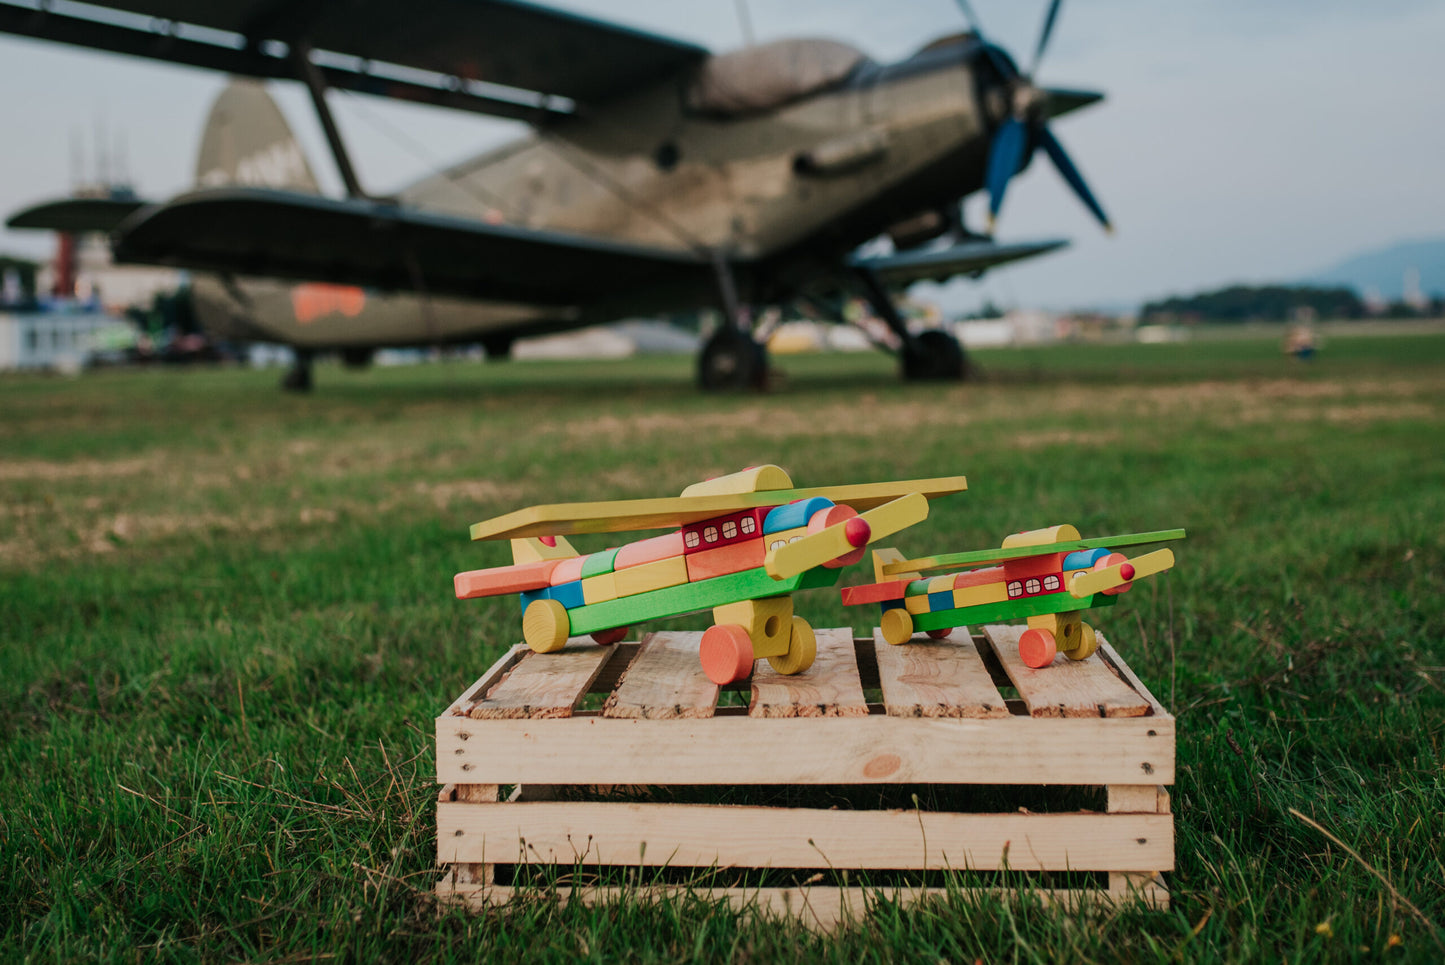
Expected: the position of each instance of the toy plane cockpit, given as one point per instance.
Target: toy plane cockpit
(1048, 576)
(742, 544)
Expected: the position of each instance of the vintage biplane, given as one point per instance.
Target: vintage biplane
(1049, 576)
(744, 543)
(658, 177)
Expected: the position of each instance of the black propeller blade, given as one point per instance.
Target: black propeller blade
(1026, 128)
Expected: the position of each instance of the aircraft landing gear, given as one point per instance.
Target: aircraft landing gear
(356, 358)
(732, 360)
(298, 377)
(498, 347)
(933, 356)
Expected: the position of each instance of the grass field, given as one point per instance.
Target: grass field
(227, 624)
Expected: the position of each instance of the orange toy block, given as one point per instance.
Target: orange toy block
(568, 570)
(503, 579)
(648, 551)
(993, 574)
(706, 564)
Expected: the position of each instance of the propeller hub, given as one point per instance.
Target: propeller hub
(857, 532)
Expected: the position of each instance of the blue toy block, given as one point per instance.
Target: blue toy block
(1083, 559)
(794, 515)
(940, 601)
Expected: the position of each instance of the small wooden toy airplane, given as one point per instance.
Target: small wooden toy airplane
(1050, 576)
(745, 542)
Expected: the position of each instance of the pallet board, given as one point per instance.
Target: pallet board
(946, 717)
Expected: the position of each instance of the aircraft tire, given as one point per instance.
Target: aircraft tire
(356, 358)
(298, 377)
(934, 356)
(802, 650)
(732, 360)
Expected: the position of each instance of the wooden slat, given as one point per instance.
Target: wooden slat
(486, 681)
(829, 688)
(1122, 670)
(936, 678)
(733, 836)
(821, 908)
(1065, 688)
(665, 681)
(807, 750)
(544, 684)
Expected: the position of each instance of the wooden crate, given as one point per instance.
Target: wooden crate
(538, 774)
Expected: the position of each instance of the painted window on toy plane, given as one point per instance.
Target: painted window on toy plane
(749, 525)
(1015, 588)
(729, 530)
(691, 539)
(709, 535)
(1051, 583)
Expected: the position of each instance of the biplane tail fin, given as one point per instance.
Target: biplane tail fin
(247, 141)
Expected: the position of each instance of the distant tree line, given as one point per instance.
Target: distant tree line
(1279, 303)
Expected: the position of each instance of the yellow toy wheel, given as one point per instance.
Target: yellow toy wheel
(545, 625)
(1088, 643)
(897, 626)
(802, 650)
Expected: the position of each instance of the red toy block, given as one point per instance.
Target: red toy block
(992, 574)
(648, 550)
(724, 560)
(874, 592)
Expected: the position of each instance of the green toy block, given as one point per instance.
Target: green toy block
(596, 564)
(1009, 610)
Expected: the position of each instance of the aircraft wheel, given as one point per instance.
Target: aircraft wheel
(802, 650)
(1037, 648)
(934, 356)
(732, 360)
(545, 625)
(298, 377)
(356, 358)
(726, 653)
(1088, 643)
(606, 638)
(940, 633)
(897, 626)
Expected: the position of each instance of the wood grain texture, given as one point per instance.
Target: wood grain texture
(820, 908)
(664, 682)
(807, 750)
(1065, 688)
(829, 688)
(543, 685)
(733, 836)
(936, 678)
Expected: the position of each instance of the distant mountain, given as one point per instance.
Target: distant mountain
(1383, 271)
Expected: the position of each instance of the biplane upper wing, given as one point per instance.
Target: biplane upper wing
(285, 234)
(567, 519)
(941, 264)
(985, 557)
(501, 57)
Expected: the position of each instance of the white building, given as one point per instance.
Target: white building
(58, 340)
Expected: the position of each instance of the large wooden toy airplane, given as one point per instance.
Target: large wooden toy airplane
(1049, 576)
(745, 542)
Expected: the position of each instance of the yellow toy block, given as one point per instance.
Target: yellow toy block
(769, 622)
(941, 584)
(755, 480)
(600, 588)
(977, 595)
(885, 556)
(916, 604)
(848, 536)
(1042, 537)
(647, 576)
(532, 550)
(1096, 581)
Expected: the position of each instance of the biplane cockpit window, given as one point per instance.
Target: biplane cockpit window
(750, 525)
(709, 534)
(1051, 583)
(1031, 586)
(691, 539)
(729, 529)
(1015, 589)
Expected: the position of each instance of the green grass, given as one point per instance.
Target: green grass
(227, 624)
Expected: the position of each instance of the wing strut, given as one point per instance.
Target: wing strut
(315, 83)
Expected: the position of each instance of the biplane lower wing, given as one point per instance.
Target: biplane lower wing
(76, 214)
(944, 263)
(255, 231)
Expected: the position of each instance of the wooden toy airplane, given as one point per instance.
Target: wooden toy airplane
(745, 542)
(1050, 576)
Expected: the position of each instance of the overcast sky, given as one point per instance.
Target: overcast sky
(1239, 141)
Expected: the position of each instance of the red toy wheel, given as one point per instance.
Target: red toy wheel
(606, 638)
(940, 633)
(1037, 648)
(726, 654)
